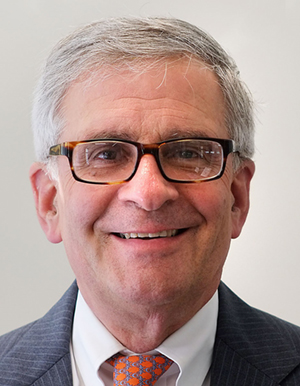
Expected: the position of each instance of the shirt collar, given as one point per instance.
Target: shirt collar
(190, 347)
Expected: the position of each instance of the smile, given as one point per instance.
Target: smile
(133, 235)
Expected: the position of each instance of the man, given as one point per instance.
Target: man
(144, 138)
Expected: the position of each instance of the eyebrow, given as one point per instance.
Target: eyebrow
(182, 133)
(110, 133)
(127, 134)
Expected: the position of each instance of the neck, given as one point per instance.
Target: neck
(142, 328)
(146, 332)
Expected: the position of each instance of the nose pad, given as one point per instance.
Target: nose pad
(148, 189)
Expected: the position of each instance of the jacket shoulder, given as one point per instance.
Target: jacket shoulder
(28, 352)
(263, 341)
(238, 316)
(10, 339)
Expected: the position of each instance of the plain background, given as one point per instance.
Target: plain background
(263, 36)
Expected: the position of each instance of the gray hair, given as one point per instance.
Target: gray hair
(120, 42)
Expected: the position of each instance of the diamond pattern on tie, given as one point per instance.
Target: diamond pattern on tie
(138, 370)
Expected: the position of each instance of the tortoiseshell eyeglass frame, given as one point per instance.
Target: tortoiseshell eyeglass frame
(67, 148)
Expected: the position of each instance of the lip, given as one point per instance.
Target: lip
(155, 247)
(148, 251)
(159, 247)
(156, 235)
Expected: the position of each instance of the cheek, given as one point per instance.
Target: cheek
(213, 200)
(80, 206)
(214, 236)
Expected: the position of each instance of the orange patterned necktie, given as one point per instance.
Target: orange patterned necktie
(138, 370)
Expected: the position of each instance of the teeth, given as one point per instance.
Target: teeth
(169, 233)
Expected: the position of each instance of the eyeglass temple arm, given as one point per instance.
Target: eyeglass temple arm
(60, 149)
(55, 150)
(235, 148)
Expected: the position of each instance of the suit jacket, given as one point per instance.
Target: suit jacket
(252, 348)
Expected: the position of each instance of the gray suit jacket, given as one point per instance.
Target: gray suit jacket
(252, 348)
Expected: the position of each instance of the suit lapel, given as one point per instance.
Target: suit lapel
(252, 347)
(60, 374)
(229, 368)
(61, 321)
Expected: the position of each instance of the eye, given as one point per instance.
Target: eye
(105, 152)
(185, 151)
(189, 153)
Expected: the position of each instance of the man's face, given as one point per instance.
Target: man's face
(181, 100)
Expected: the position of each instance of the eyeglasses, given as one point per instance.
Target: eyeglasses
(113, 161)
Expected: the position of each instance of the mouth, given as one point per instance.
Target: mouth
(149, 236)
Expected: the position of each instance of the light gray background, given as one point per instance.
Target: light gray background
(263, 36)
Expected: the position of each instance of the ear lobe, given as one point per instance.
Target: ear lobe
(240, 192)
(45, 192)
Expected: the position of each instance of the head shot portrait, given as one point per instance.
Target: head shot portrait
(144, 141)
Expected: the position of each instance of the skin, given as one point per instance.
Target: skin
(144, 290)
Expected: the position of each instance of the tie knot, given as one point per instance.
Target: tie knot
(138, 370)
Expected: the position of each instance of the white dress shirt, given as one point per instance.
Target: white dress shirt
(190, 347)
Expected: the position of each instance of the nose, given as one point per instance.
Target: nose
(148, 189)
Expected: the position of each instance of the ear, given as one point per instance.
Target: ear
(45, 193)
(240, 191)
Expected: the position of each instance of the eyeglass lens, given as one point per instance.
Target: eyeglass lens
(115, 161)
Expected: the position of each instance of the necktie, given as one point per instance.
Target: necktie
(138, 370)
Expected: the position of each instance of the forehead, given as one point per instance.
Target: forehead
(179, 98)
